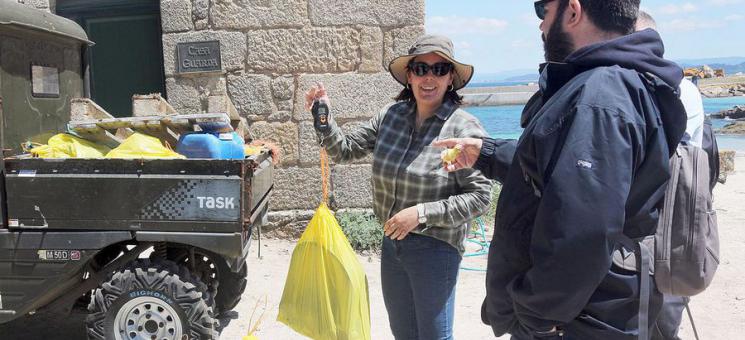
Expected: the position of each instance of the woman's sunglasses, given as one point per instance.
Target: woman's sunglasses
(421, 69)
(540, 8)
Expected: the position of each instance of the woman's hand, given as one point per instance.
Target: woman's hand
(399, 226)
(470, 149)
(317, 92)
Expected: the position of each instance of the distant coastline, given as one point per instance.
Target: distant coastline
(503, 121)
(722, 87)
(499, 83)
(517, 94)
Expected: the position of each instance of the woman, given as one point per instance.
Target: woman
(424, 209)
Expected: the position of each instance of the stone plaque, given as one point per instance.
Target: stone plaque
(44, 81)
(200, 56)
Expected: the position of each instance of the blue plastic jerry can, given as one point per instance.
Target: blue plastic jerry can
(214, 145)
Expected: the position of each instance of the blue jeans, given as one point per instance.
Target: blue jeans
(670, 318)
(418, 276)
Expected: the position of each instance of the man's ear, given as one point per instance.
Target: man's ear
(574, 14)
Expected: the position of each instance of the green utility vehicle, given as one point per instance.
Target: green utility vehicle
(155, 249)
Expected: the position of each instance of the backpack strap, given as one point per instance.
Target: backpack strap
(709, 144)
(643, 260)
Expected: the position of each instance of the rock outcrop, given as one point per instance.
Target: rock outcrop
(737, 112)
(723, 90)
(736, 128)
(726, 164)
(708, 71)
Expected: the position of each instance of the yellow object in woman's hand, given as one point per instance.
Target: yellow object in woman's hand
(449, 155)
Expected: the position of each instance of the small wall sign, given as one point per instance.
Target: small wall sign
(44, 81)
(200, 56)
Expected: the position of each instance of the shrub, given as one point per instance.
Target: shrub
(365, 233)
(362, 229)
(492, 213)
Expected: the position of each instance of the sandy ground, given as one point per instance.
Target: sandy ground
(719, 312)
(271, 272)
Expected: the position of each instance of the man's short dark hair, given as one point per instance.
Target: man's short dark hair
(618, 16)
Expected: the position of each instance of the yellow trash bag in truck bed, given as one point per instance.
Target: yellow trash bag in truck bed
(139, 146)
(326, 294)
(68, 146)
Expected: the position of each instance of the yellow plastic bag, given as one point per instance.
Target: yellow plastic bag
(251, 150)
(326, 295)
(68, 146)
(142, 146)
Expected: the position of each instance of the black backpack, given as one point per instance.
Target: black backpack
(683, 255)
(686, 244)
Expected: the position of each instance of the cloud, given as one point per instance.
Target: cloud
(454, 25)
(724, 2)
(675, 9)
(463, 48)
(690, 24)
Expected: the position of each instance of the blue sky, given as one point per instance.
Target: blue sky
(502, 35)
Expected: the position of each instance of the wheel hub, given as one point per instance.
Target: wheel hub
(146, 318)
(205, 269)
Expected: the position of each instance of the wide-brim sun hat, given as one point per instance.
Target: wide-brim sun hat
(425, 44)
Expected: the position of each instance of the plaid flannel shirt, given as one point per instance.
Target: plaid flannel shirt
(406, 170)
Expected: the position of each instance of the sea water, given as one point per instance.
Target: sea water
(504, 121)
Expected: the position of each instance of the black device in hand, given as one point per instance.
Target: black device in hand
(320, 115)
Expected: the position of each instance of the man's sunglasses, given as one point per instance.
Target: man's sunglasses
(540, 8)
(421, 69)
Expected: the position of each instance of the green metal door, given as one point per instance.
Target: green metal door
(128, 56)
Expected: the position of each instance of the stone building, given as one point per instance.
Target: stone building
(270, 52)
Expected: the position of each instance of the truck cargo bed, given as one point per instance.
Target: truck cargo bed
(191, 195)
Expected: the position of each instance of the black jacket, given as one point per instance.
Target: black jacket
(591, 165)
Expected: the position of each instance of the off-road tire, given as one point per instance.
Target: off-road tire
(229, 286)
(178, 296)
